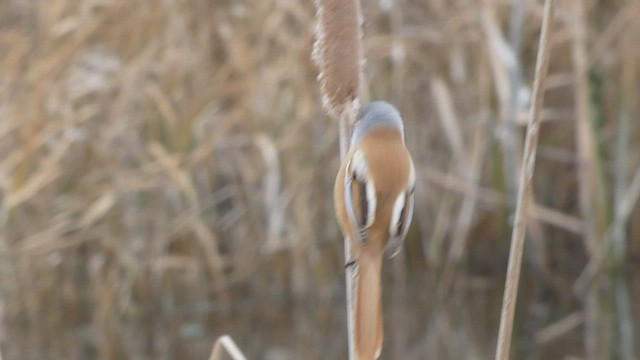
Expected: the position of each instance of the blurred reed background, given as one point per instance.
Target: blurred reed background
(166, 173)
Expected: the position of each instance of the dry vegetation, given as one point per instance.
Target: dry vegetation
(166, 168)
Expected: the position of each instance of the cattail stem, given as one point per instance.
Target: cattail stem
(350, 271)
(525, 181)
(338, 54)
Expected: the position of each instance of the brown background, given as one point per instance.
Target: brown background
(166, 173)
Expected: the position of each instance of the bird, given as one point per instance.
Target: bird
(373, 199)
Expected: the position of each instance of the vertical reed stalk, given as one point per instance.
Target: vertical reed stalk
(623, 303)
(623, 141)
(511, 139)
(591, 194)
(525, 182)
(350, 271)
(338, 54)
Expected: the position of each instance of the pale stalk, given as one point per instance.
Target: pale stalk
(525, 181)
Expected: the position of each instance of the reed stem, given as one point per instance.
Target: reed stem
(525, 182)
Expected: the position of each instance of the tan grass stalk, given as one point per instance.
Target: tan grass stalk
(625, 343)
(590, 184)
(453, 183)
(593, 269)
(469, 164)
(628, 76)
(503, 61)
(494, 199)
(618, 25)
(559, 328)
(510, 139)
(626, 328)
(448, 118)
(525, 182)
(272, 185)
(225, 342)
(591, 190)
(471, 168)
(214, 259)
(557, 218)
(171, 165)
(339, 56)
(435, 248)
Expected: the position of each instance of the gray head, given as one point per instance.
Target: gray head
(378, 114)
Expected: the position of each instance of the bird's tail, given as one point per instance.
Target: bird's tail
(368, 321)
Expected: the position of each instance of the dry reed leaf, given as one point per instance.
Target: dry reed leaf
(54, 63)
(272, 185)
(162, 102)
(547, 115)
(448, 118)
(626, 15)
(168, 263)
(557, 218)
(597, 262)
(494, 199)
(471, 169)
(631, 197)
(7, 127)
(215, 262)
(221, 127)
(48, 172)
(559, 80)
(43, 239)
(171, 165)
(97, 210)
(225, 342)
(338, 54)
(560, 327)
(501, 55)
(451, 182)
(14, 59)
(444, 218)
(32, 142)
(65, 26)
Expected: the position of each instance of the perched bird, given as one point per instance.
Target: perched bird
(373, 198)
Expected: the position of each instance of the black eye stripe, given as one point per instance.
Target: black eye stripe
(364, 205)
(402, 219)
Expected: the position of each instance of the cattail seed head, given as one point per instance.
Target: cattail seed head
(338, 54)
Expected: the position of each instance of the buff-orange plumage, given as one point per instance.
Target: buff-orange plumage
(373, 197)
